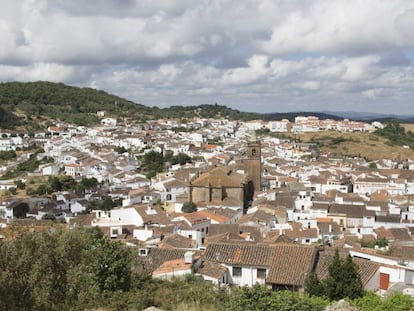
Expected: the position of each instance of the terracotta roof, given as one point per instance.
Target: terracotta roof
(287, 263)
(290, 264)
(176, 241)
(213, 216)
(224, 228)
(350, 210)
(366, 268)
(303, 233)
(157, 256)
(174, 265)
(239, 254)
(400, 234)
(212, 269)
(403, 251)
(219, 177)
(157, 216)
(223, 237)
(83, 220)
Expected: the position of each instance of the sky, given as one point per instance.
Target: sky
(251, 55)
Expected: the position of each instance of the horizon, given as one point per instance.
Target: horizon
(267, 56)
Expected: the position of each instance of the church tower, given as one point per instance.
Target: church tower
(253, 162)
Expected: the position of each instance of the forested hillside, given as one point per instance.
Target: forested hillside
(32, 104)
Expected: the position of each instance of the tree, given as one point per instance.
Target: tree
(48, 217)
(189, 207)
(20, 184)
(120, 149)
(313, 286)
(371, 301)
(87, 183)
(343, 280)
(259, 298)
(40, 272)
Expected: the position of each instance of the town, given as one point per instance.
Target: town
(229, 201)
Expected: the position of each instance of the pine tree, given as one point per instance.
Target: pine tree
(313, 286)
(343, 281)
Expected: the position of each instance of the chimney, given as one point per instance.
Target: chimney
(189, 257)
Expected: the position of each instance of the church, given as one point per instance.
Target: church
(224, 187)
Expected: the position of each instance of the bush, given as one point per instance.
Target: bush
(189, 207)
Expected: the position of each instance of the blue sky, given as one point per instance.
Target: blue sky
(265, 56)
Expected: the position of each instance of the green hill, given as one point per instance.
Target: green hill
(31, 105)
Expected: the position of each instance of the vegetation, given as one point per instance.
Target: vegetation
(371, 301)
(29, 165)
(154, 162)
(105, 204)
(120, 149)
(56, 183)
(396, 134)
(380, 242)
(7, 155)
(34, 103)
(352, 144)
(189, 207)
(343, 281)
(40, 272)
(259, 298)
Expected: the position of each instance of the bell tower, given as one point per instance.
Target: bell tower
(253, 162)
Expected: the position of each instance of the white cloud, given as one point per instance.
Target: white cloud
(267, 55)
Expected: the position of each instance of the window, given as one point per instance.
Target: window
(261, 273)
(190, 236)
(254, 152)
(237, 271)
(307, 241)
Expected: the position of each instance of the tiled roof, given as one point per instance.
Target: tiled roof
(350, 210)
(366, 268)
(176, 241)
(218, 177)
(239, 254)
(290, 264)
(224, 228)
(213, 216)
(157, 216)
(157, 256)
(403, 251)
(400, 234)
(223, 237)
(303, 233)
(212, 269)
(287, 263)
(172, 266)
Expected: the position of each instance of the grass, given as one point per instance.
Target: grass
(357, 144)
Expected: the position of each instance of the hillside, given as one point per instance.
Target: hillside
(366, 145)
(36, 102)
(31, 105)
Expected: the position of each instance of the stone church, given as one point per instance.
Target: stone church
(224, 187)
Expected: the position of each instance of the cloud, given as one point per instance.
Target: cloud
(251, 55)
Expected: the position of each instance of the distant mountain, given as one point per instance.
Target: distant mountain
(34, 105)
(371, 116)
